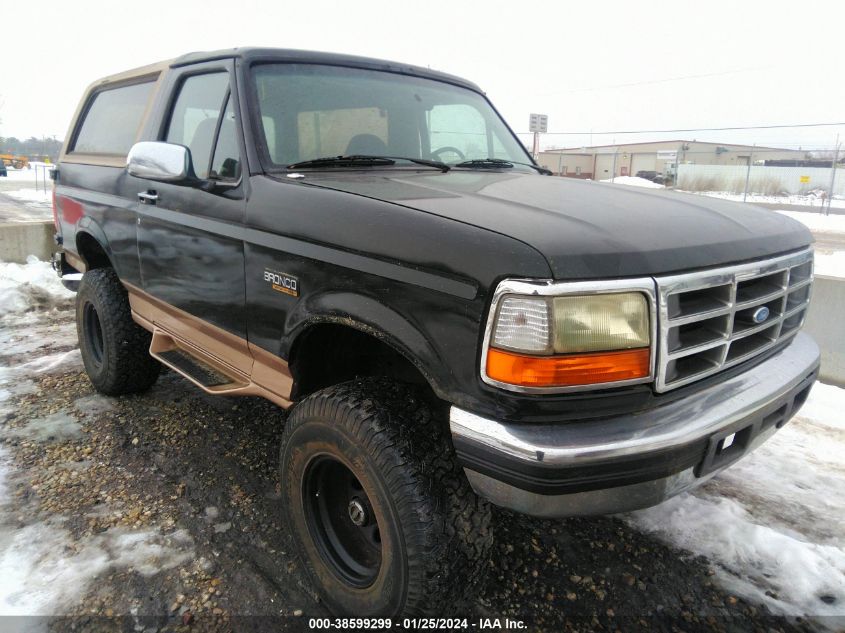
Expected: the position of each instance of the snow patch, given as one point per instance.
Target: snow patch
(818, 222)
(754, 559)
(772, 523)
(633, 181)
(94, 405)
(20, 175)
(33, 197)
(808, 200)
(55, 427)
(824, 406)
(830, 264)
(44, 570)
(54, 363)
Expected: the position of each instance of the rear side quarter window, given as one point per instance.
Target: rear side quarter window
(112, 120)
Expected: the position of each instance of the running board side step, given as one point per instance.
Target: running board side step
(209, 374)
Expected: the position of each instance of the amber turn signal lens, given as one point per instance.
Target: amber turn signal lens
(567, 370)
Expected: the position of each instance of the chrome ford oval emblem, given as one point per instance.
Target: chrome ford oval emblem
(760, 314)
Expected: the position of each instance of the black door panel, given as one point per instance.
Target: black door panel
(190, 238)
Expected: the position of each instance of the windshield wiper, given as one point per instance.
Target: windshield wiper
(363, 160)
(344, 161)
(486, 163)
(424, 161)
(499, 163)
(542, 170)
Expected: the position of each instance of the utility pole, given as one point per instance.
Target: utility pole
(832, 175)
(748, 172)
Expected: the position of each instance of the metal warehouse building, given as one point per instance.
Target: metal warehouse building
(607, 161)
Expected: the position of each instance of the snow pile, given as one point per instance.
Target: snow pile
(31, 286)
(772, 523)
(818, 222)
(633, 181)
(28, 293)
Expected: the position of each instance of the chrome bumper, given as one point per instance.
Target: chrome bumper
(637, 460)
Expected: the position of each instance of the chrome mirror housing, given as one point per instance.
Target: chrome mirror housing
(164, 162)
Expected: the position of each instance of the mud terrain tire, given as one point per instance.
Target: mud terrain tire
(115, 349)
(423, 536)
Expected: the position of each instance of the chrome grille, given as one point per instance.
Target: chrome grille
(707, 318)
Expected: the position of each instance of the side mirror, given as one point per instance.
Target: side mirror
(163, 162)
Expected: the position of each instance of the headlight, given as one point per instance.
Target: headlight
(544, 342)
(595, 323)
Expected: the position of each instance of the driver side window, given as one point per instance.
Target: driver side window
(202, 110)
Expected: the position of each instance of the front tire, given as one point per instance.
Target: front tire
(384, 518)
(115, 349)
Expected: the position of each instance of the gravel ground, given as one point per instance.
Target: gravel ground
(159, 512)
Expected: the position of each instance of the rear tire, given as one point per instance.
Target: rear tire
(384, 519)
(115, 349)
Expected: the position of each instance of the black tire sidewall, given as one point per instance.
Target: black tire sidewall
(96, 372)
(386, 595)
(126, 366)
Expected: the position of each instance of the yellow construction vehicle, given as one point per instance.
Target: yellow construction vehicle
(18, 162)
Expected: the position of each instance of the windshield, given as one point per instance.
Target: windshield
(310, 111)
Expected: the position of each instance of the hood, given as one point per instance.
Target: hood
(586, 229)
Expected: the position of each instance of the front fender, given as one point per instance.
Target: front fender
(371, 316)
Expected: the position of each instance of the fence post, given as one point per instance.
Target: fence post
(832, 176)
(748, 174)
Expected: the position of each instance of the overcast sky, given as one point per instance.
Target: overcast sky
(600, 66)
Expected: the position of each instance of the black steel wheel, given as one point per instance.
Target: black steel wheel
(342, 521)
(377, 506)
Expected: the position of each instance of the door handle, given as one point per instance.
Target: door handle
(148, 197)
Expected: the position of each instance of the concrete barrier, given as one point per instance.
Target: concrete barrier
(826, 323)
(18, 240)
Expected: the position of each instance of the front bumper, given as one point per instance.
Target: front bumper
(637, 460)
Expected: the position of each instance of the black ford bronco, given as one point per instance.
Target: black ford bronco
(369, 244)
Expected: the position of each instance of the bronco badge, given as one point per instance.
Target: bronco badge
(282, 282)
